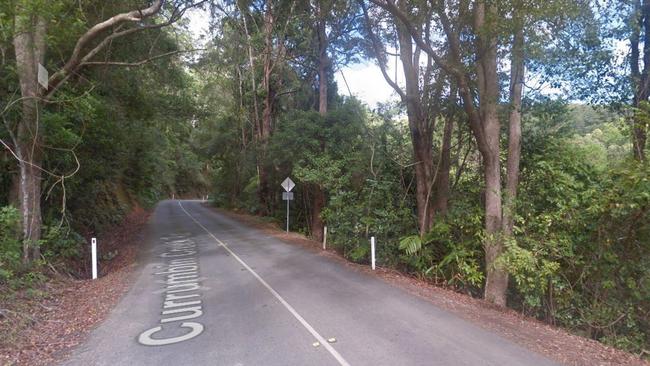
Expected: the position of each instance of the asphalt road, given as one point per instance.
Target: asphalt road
(212, 291)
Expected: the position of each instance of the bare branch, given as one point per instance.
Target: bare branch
(76, 58)
(390, 6)
(141, 62)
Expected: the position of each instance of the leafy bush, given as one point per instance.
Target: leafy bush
(10, 244)
(450, 253)
(353, 217)
(60, 244)
(583, 237)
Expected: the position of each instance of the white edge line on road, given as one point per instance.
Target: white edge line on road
(293, 311)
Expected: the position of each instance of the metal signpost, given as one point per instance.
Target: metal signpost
(288, 185)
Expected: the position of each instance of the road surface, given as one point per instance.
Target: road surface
(212, 291)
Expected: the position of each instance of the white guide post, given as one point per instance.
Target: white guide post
(372, 252)
(93, 250)
(325, 238)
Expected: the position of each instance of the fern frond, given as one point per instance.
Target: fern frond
(411, 244)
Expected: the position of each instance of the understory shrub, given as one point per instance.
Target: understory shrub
(10, 244)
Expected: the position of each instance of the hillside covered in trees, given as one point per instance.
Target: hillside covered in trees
(510, 164)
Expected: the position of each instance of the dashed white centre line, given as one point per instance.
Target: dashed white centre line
(288, 306)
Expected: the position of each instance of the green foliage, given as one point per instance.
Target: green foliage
(459, 267)
(10, 244)
(449, 254)
(57, 246)
(60, 245)
(367, 196)
(114, 138)
(132, 137)
(411, 244)
(531, 271)
(581, 255)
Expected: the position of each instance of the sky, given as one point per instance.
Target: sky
(364, 80)
(366, 83)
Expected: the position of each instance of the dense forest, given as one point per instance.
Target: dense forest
(510, 163)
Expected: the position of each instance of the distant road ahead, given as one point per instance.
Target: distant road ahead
(213, 291)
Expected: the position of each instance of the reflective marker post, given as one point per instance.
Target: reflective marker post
(93, 250)
(372, 252)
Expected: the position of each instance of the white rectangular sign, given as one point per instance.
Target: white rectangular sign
(43, 76)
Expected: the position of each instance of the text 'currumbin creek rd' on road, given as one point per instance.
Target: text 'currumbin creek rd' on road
(182, 297)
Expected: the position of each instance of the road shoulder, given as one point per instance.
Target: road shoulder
(44, 329)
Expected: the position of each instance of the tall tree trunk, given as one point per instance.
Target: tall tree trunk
(318, 202)
(264, 191)
(266, 123)
(640, 77)
(323, 63)
(496, 282)
(29, 46)
(421, 131)
(442, 187)
(421, 128)
(317, 205)
(422, 152)
(517, 70)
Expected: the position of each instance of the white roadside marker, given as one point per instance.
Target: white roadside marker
(93, 253)
(372, 251)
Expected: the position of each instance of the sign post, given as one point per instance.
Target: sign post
(288, 185)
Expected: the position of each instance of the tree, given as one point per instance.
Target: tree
(477, 79)
(30, 46)
(275, 19)
(335, 43)
(421, 94)
(640, 75)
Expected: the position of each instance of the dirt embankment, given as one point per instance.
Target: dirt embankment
(41, 325)
(553, 342)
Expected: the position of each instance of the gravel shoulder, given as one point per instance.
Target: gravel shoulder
(556, 343)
